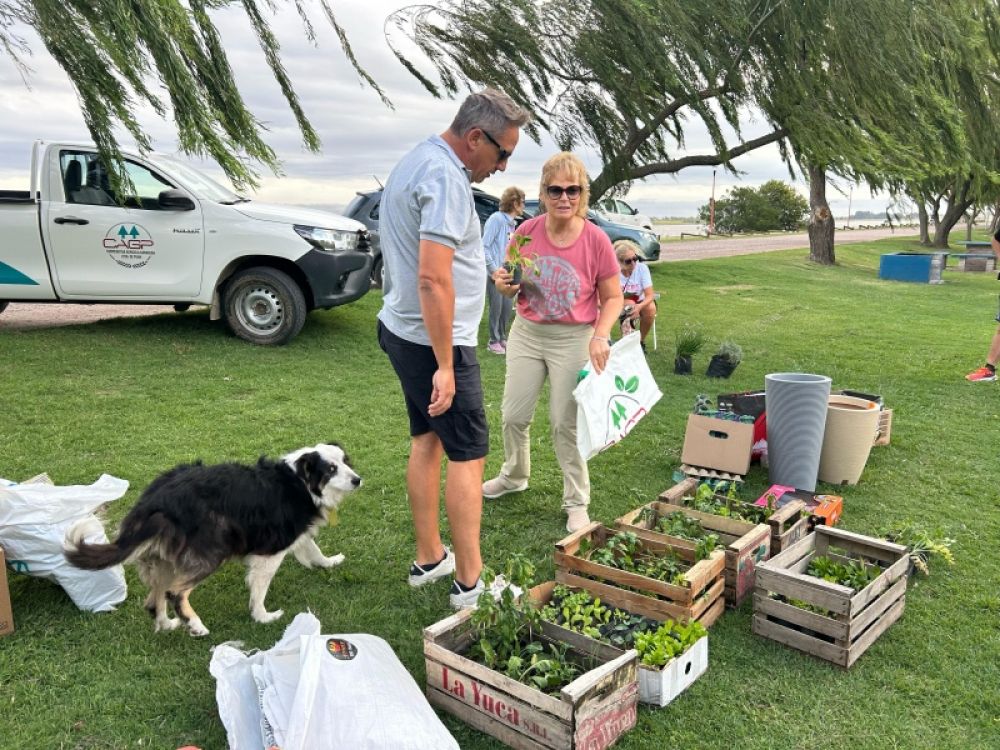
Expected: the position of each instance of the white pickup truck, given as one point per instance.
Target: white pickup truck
(179, 239)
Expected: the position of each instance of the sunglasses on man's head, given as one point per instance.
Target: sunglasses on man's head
(504, 154)
(555, 191)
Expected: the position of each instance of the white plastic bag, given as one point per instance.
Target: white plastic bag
(321, 692)
(34, 518)
(609, 405)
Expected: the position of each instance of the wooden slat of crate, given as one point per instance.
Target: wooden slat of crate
(884, 433)
(789, 524)
(871, 635)
(745, 543)
(703, 610)
(861, 622)
(482, 722)
(699, 576)
(868, 547)
(836, 629)
(679, 490)
(592, 711)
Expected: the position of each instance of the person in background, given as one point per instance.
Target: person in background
(496, 234)
(566, 307)
(435, 281)
(637, 288)
(988, 372)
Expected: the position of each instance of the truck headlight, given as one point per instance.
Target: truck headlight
(328, 239)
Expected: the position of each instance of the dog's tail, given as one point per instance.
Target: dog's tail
(88, 556)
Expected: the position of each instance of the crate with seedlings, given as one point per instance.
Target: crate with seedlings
(745, 544)
(671, 656)
(499, 670)
(788, 524)
(831, 594)
(656, 578)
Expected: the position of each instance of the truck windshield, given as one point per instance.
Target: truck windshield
(203, 185)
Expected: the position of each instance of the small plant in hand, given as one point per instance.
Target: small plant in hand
(506, 630)
(586, 614)
(518, 262)
(679, 525)
(922, 544)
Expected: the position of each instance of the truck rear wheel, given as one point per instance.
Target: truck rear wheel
(264, 306)
(378, 273)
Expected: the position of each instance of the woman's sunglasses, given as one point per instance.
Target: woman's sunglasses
(629, 261)
(555, 191)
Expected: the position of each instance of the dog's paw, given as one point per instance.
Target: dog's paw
(167, 623)
(197, 628)
(266, 617)
(332, 561)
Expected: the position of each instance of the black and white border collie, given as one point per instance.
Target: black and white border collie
(194, 517)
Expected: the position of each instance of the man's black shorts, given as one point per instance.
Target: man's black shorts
(462, 429)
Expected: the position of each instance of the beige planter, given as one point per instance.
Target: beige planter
(851, 424)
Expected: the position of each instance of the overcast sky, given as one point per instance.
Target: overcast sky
(361, 137)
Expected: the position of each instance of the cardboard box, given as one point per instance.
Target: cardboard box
(719, 444)
(828, 508)
(6, 613)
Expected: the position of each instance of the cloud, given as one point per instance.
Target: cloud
(361, 137)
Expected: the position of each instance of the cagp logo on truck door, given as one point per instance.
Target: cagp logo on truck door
(129, 245)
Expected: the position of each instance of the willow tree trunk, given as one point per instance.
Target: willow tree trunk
(925, 235)
(821, 223)
(948, 221)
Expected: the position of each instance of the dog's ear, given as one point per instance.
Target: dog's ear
(309, 468)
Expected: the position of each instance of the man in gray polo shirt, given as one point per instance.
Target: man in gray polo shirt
(434, 289)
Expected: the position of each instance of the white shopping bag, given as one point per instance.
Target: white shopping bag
(609, 405)
(34, 518)
(323, 692)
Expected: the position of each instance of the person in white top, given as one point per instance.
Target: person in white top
(637, 288)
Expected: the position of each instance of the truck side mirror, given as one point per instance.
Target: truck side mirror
(175, 200)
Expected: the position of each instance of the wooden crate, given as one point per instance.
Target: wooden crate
(699, 598)
(658, 686)
(746, 544)
(856, 618)
(788, 524)
(590, 713)
(884, 427)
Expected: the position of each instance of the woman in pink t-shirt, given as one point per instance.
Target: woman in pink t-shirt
(566, 305)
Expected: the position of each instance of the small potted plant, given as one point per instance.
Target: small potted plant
(689, 341)
(725, 360)
(517, 261)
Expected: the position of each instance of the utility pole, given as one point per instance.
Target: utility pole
(711, 207)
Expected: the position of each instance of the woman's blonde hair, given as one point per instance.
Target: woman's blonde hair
(564, 161)
(510, 198)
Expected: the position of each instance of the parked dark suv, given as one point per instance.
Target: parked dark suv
(364, 208)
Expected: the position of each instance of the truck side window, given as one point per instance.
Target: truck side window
(86, 181)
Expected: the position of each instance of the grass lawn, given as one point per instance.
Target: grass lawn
(134, 397)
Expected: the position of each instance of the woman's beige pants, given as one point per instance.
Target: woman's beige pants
(536, 351)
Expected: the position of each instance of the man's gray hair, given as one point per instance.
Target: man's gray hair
(489, 110)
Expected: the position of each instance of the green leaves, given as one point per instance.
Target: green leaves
(167, 54)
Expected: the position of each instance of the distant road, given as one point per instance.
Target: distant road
(24, 315)
(727, 246)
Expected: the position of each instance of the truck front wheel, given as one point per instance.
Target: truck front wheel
(264, 306)
(3, 305)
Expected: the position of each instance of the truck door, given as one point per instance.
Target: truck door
(101, 248)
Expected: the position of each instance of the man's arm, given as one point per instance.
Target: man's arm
(437, 304)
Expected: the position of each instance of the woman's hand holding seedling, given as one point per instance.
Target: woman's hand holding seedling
(502, 279)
